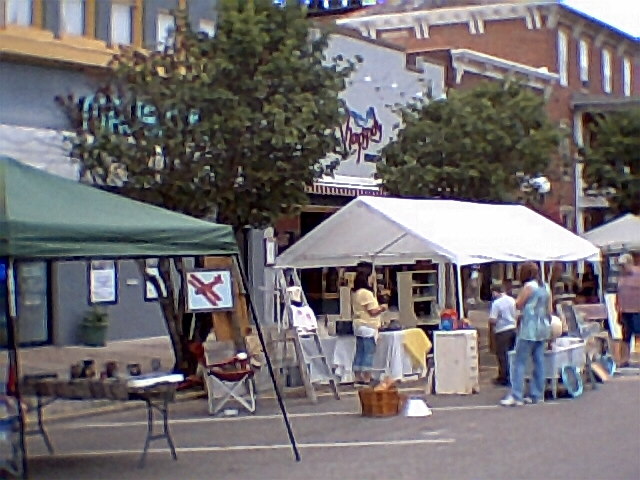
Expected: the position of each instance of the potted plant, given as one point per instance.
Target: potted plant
(93, 328)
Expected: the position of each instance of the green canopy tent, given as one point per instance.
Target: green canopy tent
(43, 216)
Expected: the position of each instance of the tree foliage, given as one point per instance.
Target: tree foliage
(612, 161)
(477, 144)
(231, 127)
(234, 125)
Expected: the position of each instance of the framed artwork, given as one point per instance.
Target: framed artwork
(209, 290)
(610, 301)
(270, 247)
(103, 282)
(150, 292)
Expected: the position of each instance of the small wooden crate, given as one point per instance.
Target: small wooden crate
(380, 403)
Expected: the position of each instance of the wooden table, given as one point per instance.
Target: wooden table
(156, 390)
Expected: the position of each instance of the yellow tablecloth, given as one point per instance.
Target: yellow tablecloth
(417, 345)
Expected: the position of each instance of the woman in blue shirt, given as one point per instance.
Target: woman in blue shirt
(534, 330)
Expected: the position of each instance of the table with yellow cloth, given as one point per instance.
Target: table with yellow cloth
(399, 354)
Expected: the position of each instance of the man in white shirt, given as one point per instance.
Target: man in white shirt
(503, 315)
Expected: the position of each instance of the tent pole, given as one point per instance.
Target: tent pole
(542, 273)
(13, 358)
(460, 292)
(254, 315)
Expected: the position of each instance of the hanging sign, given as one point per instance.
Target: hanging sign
(209, 290)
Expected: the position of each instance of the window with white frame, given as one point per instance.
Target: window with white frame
(208, 27)
(18, 12)
(583, 58)
(626, 76)
(72, 17)
(165, 24)
(121, 24)
(563, 57)
(606, 71)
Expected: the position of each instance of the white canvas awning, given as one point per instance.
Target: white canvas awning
(396, 230)
(623, 232)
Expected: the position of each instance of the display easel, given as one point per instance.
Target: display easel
(287, 336)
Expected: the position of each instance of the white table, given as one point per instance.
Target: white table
(572, 354)
(390, 360)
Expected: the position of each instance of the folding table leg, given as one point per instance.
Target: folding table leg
(163, 408)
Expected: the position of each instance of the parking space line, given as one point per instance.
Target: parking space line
(276, 416)
(229, 448)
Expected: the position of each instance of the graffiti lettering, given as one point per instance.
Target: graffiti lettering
(369, 131)
(110, 113)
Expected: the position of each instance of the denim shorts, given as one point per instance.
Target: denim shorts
(365, 350)
(630, 325)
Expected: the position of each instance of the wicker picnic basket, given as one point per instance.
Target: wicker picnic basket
(380, 403)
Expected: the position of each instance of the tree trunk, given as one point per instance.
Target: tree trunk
(172, 313)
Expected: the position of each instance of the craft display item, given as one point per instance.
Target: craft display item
(111, 369)
(384, 400)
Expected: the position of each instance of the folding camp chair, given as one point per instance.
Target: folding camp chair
(233, 377)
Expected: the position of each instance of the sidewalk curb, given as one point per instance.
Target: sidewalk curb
(109, 407)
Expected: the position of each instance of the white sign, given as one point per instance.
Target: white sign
(209, 290)
(103, 282)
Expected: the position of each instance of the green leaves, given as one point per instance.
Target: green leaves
(470, 145)
(612, 162)
(235, 124)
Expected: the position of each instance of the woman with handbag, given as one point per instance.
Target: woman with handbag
(534, 329)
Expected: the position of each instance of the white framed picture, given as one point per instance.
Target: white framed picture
(610, 301)
(150, 292)
(270, 247)
(103, 282)
(209, 290)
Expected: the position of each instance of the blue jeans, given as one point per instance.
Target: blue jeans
(526, 349)
(365, 349)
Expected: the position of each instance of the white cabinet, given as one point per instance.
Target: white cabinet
(456, 361)
(418, 297)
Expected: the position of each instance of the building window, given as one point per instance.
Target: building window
(626, 76)
(208, 27)
(18, 12)
(606, 71)
(121, 22)
(563, 58)
(583, 58)
(164, 28)
(72, 17)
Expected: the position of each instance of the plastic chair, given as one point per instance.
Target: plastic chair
(235, 378)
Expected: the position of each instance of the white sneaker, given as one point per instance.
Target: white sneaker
(510, 401)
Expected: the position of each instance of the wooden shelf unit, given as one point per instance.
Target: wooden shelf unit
(418, 297)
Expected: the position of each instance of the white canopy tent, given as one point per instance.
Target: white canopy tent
(623, 232)
(388, 231)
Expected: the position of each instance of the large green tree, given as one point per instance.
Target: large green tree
(612, 161)
(230, 128)
(478, 144)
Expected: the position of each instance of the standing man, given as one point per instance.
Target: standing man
(628, 304)
(503, 315)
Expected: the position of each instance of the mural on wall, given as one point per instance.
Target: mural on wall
(360, 131)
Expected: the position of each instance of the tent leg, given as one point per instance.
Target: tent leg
(13, 359)
(254, 315)
(460, 292)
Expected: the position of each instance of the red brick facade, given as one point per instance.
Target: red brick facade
(524, 35)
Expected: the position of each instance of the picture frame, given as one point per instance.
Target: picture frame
(209, 290)
(150, 292)
(610, 302)
(102, 282)
(270, 250)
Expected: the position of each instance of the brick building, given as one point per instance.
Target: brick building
(575, 60)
